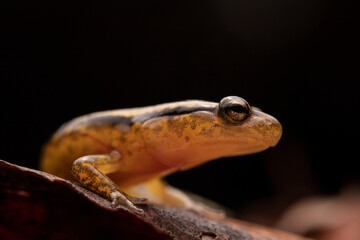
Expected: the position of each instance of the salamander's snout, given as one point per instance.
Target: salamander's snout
(276, 129)
(269, 129)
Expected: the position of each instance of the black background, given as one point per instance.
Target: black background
(297, 60)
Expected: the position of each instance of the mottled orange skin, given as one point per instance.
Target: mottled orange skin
(160, 145)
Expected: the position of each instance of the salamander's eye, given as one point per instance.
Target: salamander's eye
(234, 109)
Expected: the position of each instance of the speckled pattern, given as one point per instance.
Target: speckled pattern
(155, 141)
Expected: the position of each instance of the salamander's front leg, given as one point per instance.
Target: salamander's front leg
(90, 171)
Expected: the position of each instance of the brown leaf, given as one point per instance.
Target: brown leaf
(34, 205)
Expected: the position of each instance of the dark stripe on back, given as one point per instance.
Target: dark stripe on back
(171, 112)
(99, 121)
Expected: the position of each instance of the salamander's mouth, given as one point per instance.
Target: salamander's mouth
(237, 148)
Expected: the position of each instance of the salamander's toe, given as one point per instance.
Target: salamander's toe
(120, 199)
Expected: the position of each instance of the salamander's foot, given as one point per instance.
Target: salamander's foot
(119, 198)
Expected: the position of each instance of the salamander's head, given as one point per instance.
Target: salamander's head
(185, 134)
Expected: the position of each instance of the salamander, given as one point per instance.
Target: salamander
(126, 152)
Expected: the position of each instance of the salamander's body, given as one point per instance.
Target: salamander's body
(136, 147)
